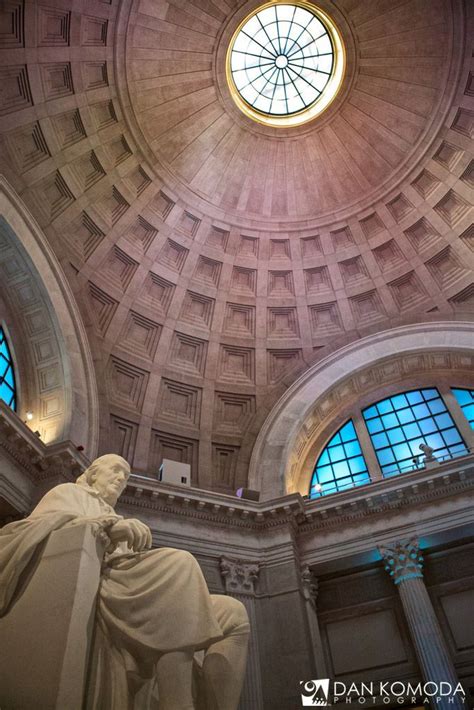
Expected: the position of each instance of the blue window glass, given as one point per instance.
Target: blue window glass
(414, 397)
(405, 415)
(371, 411)
(7, 375)
(409, 419)
(465, 400)
(385, 407)
(411, 431)
(341, 465)
(374, 425)
(396, 435)
(436, 406)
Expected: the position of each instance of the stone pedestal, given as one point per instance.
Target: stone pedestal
(403, 561)
(46, 636)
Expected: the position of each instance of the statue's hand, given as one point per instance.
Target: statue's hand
(131, 531)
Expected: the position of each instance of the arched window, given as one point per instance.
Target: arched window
(465, 400)
(7, 375)
(341, 464)
(399, 424)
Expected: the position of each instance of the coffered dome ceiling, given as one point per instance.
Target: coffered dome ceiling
(402, 60)
(214, 258)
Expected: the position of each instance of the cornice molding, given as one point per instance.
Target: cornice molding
(406, 491)
(379, 499)
(220, 509)
(38, 460)
(291, 513)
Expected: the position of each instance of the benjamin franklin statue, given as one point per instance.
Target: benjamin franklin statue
(154, 610)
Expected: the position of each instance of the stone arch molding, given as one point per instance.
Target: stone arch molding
(56, 370)
(287, 432)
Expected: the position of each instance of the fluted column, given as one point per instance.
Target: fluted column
(240, 578)
(403, 561)
(309, 585)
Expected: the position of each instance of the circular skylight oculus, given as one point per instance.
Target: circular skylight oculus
(285, 63)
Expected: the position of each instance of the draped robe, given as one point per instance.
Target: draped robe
(149, 602)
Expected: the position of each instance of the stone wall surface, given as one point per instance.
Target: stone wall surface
(214, 260)
(180, 282)
(309, 572)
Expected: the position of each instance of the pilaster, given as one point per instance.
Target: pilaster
(309, 587)
(240, 579)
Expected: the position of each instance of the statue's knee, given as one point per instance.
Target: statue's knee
(186, 560)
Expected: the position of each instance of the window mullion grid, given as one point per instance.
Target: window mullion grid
(403, 465)
(457, 414)
(297, 92)
(340, 481)
(7, 390)
(439, 402)
(405, 440)
(400, 464)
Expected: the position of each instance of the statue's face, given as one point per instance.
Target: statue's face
(111, 478)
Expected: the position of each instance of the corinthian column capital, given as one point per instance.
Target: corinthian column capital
(403, 559)
(239, 576)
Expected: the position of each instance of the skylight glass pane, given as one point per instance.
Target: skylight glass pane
(341, 465)
(296, 46)
(465, 399)
(7, 376)
(417, 417)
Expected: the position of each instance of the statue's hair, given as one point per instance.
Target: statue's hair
(85, 479)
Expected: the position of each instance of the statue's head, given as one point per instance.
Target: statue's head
(108, 475)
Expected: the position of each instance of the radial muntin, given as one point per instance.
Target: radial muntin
(285, 63)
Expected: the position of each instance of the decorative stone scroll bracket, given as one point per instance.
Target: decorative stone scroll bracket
(239, 576)
(403, 560)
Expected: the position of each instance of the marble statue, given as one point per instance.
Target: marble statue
(154, 610)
